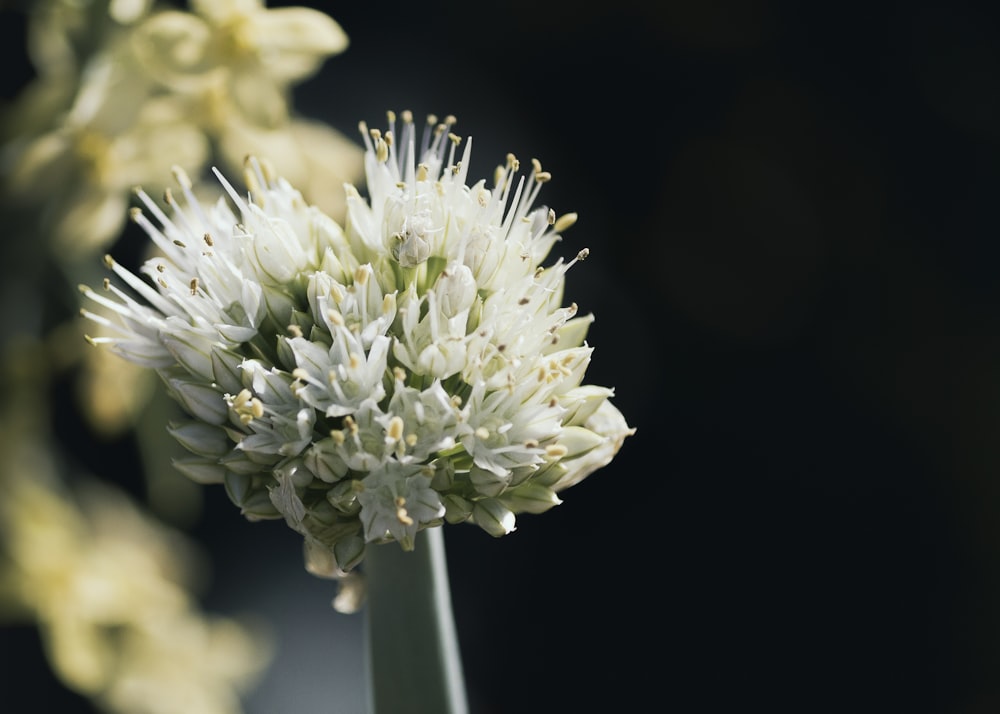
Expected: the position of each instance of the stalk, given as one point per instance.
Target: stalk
(412, 654)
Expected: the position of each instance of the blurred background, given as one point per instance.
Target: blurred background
(791, 211)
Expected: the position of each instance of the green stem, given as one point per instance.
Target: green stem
(413, 659)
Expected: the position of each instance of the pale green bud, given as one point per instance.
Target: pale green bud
(550, 474)
(578, 441)
(344, 496)
(199, 400)
(493, 517)
(319, 559)
(488, 483)
(530, 498)
(322, 459)
(259, 507)
(572, 334)
(192, 352)
(203, 471)
(456, 508)
(201, 438)
(250, 496)
(349, 552)
(279, 255)
(456, 289)
(238, 462)
(225, 370)
(410, 245)
(581, 402)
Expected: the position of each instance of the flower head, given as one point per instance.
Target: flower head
(364, 382)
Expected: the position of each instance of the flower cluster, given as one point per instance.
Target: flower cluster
(414, 367)
(111, 592)
(125, 89)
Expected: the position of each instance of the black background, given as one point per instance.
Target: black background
(791, 212)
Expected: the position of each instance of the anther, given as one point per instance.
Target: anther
(395, 429)
(564, 222)
(335, 317)
(401, 514)
(556, 451)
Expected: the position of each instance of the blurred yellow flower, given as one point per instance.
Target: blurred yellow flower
(79, 169)
(110, 592)
(251, 53)
(125, 90)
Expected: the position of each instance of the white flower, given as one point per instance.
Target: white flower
(414, 367)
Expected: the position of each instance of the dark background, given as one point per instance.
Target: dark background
(792, 216)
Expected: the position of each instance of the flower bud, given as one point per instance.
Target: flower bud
(530, 498)
(199, 400)
(493, 517)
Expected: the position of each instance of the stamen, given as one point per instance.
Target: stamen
(564, 222)
(401, 514)
(556, 451)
